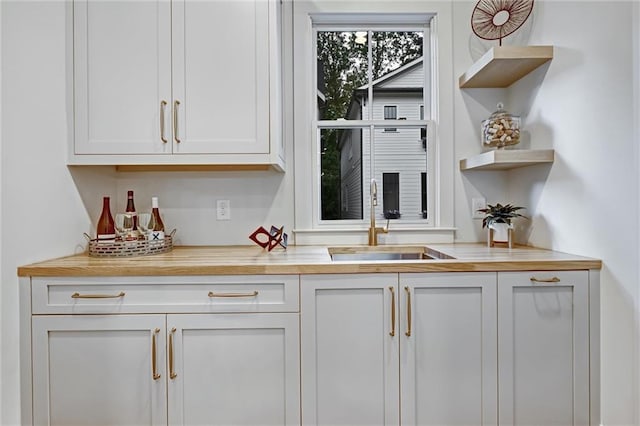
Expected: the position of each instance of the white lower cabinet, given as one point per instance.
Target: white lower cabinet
(448, 356)
(233, 365)
(440, 349)
(450, 349)
(98, 370)
(543, 348)
(378, 349)
(230, 369)
(349, 337)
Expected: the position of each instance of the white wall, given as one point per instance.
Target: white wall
(582, 105)
(636, 115)
(42, 213)
(45, 207)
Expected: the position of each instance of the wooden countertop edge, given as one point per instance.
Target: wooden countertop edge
(453, 265)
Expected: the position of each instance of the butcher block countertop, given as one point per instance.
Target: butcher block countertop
(235, 260)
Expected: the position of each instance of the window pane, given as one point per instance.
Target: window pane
(402, 153)
(391, 195)
(423, 191)
(390, 112)
(342, 74)
(341, 173)
(398, 72)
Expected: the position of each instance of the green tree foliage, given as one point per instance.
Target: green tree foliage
(343, 65)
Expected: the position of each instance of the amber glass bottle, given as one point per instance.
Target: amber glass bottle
(157, 233)
(106, 229)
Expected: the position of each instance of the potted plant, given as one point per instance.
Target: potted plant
(498, 221)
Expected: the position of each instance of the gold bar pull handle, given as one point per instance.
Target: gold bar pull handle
(393, 311)
(172, 373)
(408, 332)
(163, 106)
(252, 294)
(154, 367)
(176, 104)
(545, 280)
(97, 296)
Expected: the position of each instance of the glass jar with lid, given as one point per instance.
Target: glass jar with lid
(500, 129)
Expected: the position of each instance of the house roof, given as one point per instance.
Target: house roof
(392, 75)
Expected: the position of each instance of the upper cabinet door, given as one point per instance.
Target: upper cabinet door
(221, 76)
(122, 75)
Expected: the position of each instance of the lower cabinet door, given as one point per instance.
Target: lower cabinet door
(448, 349)
(231, 369)
(350, 332)
(99, 370)
(543, 347)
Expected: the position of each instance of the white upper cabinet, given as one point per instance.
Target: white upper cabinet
(185, 82)
(122, 73)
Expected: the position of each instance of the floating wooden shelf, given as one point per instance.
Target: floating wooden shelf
(506, 159)
(502, 66)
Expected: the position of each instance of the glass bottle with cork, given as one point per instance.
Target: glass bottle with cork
(157, 232)
(105, 228)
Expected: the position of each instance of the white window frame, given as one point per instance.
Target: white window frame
(309, 228)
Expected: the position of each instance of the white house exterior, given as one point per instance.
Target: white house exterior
(399, 160)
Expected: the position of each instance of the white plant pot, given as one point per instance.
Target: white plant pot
(500, 232)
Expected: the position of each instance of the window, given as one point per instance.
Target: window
(391, 195)
(390, 113)
(365, 74)
(423, 130)
(423, 196)
(318, 115)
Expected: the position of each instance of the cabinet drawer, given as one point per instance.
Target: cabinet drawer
(233, 293)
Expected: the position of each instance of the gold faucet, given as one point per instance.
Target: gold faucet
(373, 231)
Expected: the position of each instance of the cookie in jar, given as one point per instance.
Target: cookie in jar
(500, 129)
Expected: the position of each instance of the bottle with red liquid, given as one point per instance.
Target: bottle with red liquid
(157, 232)
(106, 229)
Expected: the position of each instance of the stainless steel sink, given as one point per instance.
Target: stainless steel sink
(368, 253)
(378, 256)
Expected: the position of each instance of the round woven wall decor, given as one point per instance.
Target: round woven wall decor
(496, 19)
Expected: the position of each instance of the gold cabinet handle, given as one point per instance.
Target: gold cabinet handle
(154, 370)
(97, 296)
(408, 332)
(545, 280)
(172, 373)
(163, 106)
(252, 294)
(393, 311)
(176, 104)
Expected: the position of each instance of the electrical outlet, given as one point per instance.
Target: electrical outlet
(223, 210)
(477, 204)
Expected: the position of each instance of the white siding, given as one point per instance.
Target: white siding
(351, 176)
(413, 77)
(397, 152)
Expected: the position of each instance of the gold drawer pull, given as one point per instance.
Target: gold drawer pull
(154, 370)
(252, 294)
(172, 373)
(96, 296)
(176, 104)
(393, 311)
(163, 105)
(545, 280)
(408, 332)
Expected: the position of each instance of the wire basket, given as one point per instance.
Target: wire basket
(130, 248)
